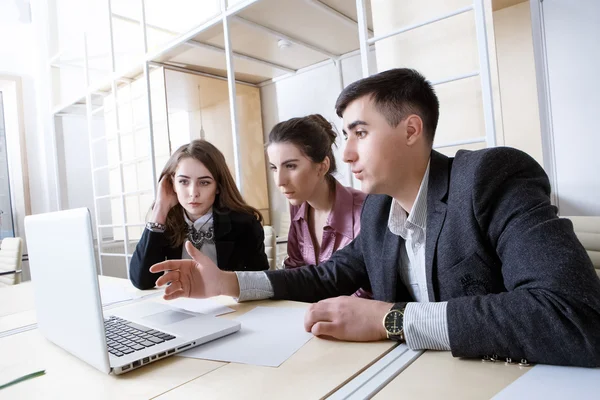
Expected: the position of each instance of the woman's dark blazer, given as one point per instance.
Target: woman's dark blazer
(239, 239)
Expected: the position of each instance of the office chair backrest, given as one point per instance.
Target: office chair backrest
(11, 251)
(270, 245)
(587, 230)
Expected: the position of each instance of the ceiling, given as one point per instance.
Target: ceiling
(316, 31)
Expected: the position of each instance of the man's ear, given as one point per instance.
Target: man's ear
(414, 129)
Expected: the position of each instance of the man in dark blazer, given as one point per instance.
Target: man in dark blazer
(464, 254)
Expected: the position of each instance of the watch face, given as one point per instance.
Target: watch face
(394, 322)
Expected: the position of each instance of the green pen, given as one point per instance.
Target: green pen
(23, 378)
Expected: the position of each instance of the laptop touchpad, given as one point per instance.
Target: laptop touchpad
(167, 317)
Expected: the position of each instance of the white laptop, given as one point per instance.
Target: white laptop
(69, 308)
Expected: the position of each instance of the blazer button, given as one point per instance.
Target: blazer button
(524, 363)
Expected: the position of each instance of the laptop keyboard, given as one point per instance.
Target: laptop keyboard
(125, 337)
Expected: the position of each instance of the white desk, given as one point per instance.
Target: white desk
(316, 370)
(437, 375)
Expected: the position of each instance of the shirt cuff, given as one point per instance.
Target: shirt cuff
(426, 326)
(254, 286)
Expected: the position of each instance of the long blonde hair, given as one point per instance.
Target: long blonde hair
(228, 197)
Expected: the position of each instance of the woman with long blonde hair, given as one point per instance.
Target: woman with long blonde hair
(197, 201)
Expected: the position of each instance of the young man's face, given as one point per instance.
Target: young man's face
(377, 152)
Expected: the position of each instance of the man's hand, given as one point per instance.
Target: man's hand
(198, 278)
(348, 318)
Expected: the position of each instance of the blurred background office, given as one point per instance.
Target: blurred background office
(96, 94)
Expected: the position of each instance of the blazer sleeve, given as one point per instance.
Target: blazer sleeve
(152, 248)
(551, 311)
(257, 258)
(343, 274)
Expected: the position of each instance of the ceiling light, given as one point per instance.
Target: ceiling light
(283, 44)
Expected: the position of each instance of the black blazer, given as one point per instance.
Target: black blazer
(517, 281)
(239, 239)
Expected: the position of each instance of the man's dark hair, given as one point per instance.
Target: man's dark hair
(396, 93)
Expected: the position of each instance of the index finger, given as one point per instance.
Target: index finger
(318, 312)
(169, 265)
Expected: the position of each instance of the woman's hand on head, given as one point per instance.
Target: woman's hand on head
(166, 198)
(197, 278)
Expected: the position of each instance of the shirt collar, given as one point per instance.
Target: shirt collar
(398, 222)
(341, 218)
(201, 222)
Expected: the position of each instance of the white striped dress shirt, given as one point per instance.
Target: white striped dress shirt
(425, 323)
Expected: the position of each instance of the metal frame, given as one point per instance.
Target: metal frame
(241, 56)
(543, 94)
(280, 35)
(341, 16)
(420, 24)
(232, 97)
(208, 46)
(485, 73)
(119, 149)
(149, 99)
(484, 60)
(363, 37)
(480, 139)
(88, 98)
(194, 72)
(225, 16)
(227, 12)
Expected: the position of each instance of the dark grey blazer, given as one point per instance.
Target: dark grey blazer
(517, 281)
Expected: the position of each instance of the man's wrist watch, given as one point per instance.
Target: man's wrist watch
(393, 322)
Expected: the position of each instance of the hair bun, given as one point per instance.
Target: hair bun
(322, 122)
(319, 119)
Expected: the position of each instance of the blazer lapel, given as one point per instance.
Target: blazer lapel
(384, 274)
(222, 226)
(439, 175)
(390, 262)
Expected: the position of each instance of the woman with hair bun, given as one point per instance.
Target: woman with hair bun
(325, 215)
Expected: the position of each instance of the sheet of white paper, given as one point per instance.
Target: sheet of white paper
(112, 294)
(550, 382)
(204, 306)
(268, 337)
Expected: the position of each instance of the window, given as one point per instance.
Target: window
(6, 214)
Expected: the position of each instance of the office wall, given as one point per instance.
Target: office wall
(516, 72)
(573, 58)
(184, 102)
(74, 161)
(18, 58)
(310, 92)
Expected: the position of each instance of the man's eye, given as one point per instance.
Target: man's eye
(361, 134)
